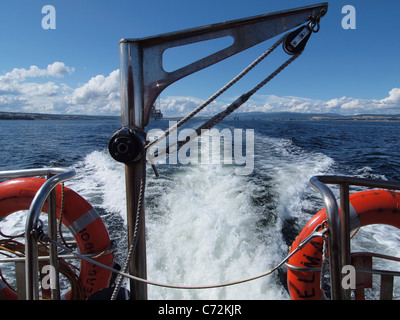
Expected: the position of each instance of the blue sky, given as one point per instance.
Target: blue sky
(74, 68)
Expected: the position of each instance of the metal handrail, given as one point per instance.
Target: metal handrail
(339, 235)
(26, 173)
(333, 221)
(54, 176)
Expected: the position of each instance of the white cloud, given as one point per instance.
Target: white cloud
(47, 89)
(20, 95)
(393, 98)
(349, 106)
(41, 90)
(181, 106)
(99, 95)
(343, 105)
(56, 69)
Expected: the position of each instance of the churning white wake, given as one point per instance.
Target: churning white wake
(206, 225)
(208, 234)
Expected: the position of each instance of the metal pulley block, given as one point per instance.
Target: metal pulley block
(296, 41)
(127, 145)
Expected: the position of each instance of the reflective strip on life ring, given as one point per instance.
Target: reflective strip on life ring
(367, 207)
(79, 217)
(6, 293)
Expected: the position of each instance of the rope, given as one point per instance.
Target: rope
(220, 116)
(134, 238)
(324, 261)
(124, 274)
(62, 215)
(11, 237)
(242, 99)
(313, 26)
(218, 93)
(18, 249)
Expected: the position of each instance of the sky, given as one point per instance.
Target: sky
(73, 67)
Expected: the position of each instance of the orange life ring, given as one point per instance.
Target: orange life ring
(7, 293)
(367, 207)
(79, 217)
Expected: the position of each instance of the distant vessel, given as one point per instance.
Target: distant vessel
(155, 114)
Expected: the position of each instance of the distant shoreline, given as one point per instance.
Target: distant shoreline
(359, 118)
(274, 116)
(40, 116)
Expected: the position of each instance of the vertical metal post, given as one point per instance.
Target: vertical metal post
(31, 260)
(334, 243)
(132, 115)
(20, 277)
(51, 203)
(345, 230)
(31, 247)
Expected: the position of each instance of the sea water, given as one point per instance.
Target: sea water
(205, 224)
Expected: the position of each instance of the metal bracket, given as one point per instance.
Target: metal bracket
(143, 77)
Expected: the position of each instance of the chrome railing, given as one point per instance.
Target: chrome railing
(54, 177)
(339, 227)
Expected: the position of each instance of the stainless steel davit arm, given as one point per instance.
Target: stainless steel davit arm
(143, 78)
(142, 59)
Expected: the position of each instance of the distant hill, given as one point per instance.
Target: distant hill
(279, 115)
(42, 116)
(311, 116)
